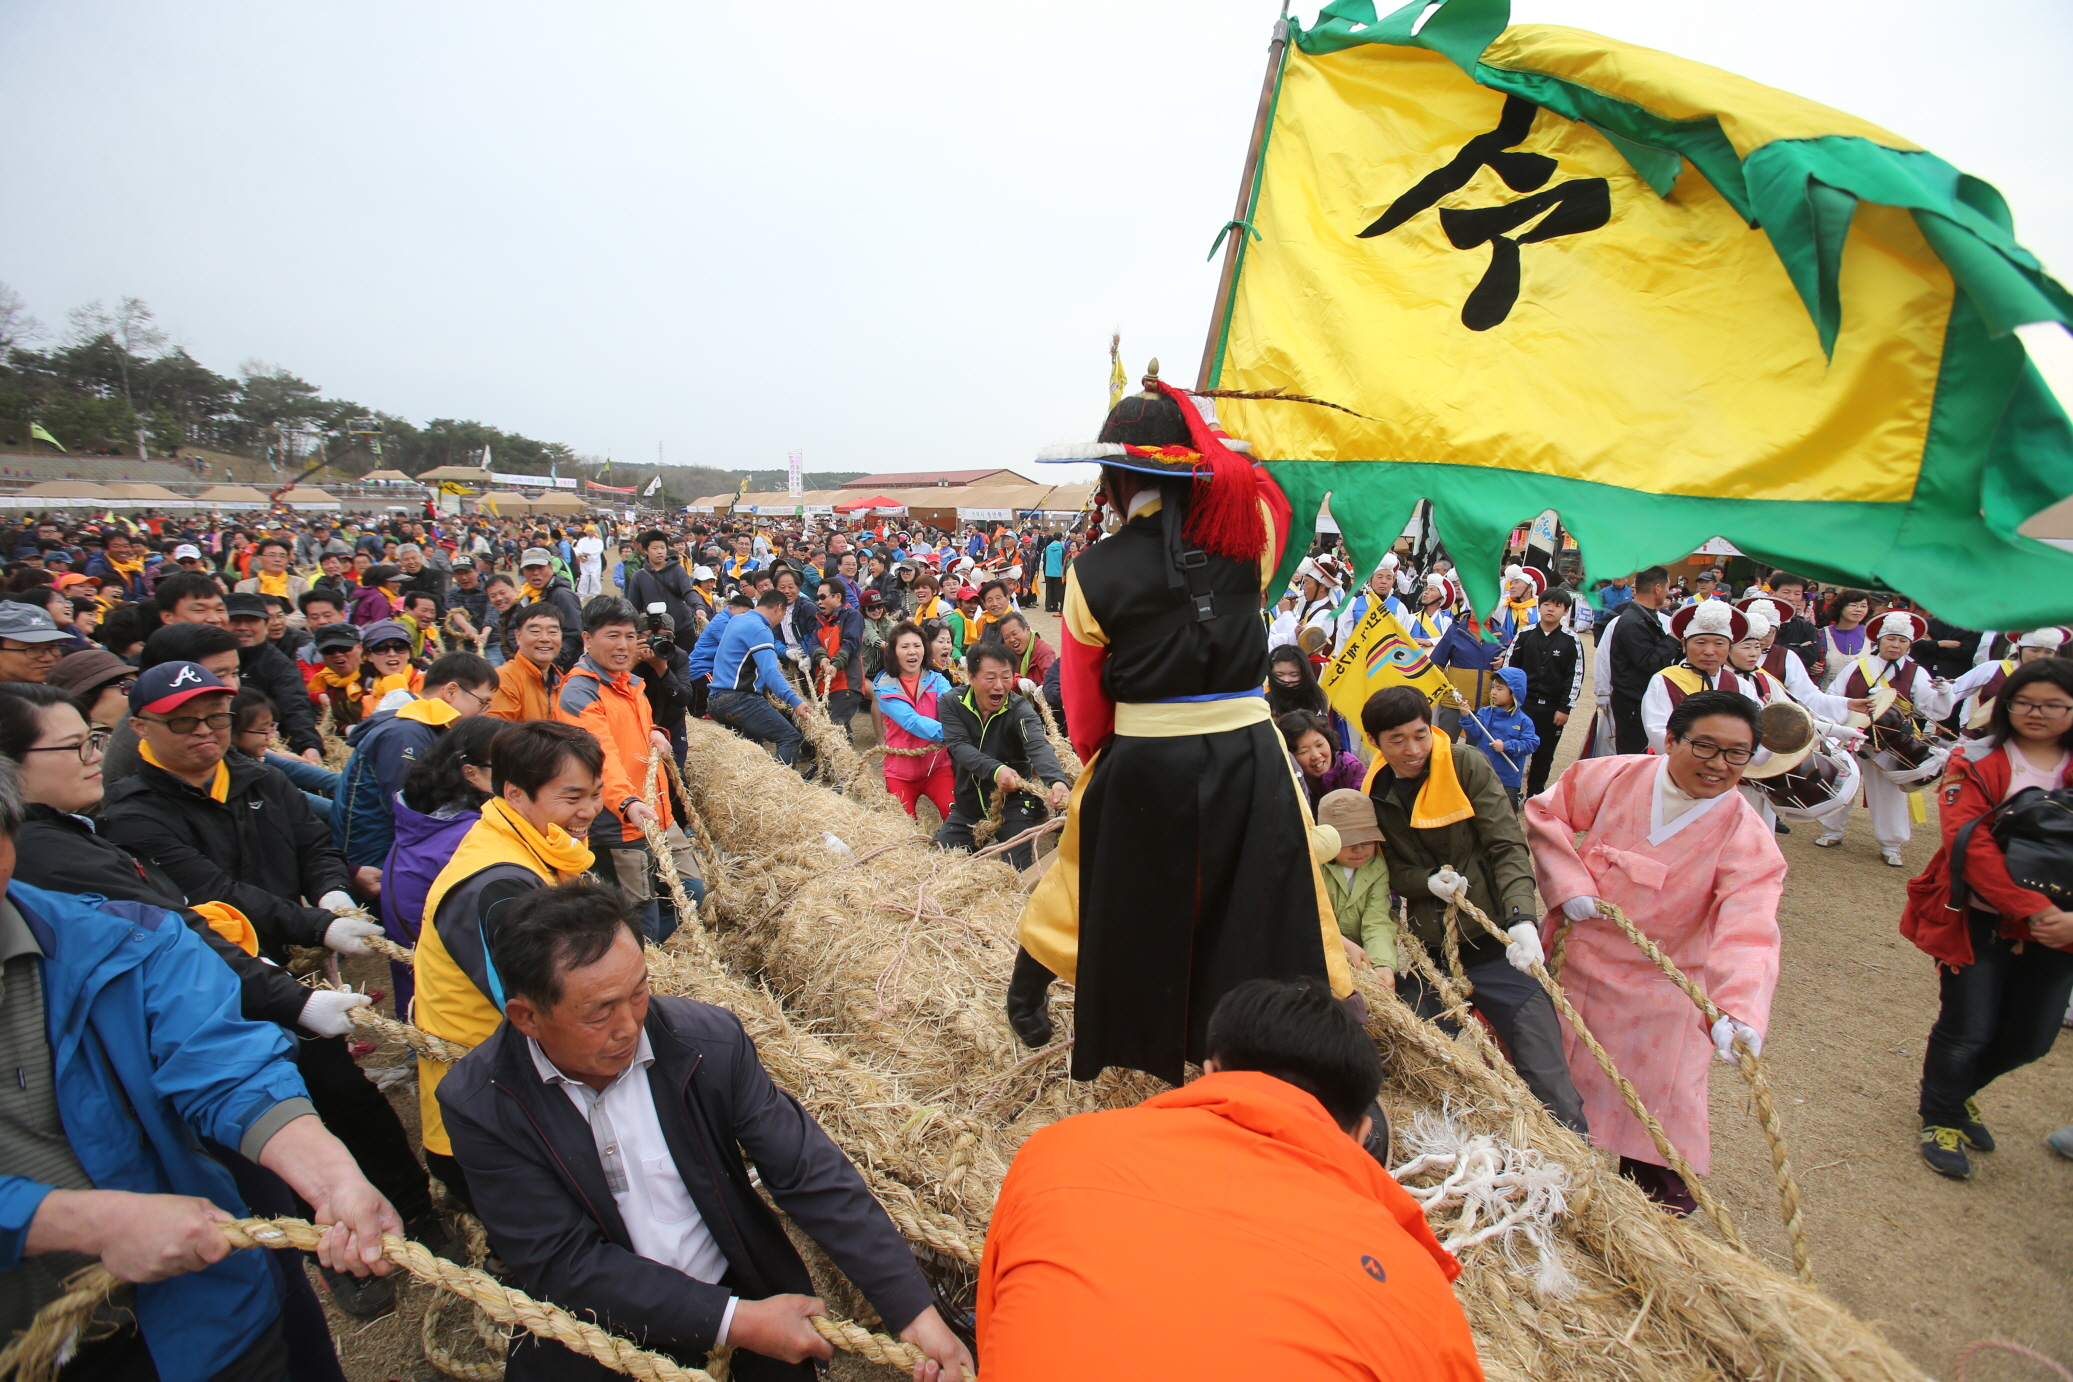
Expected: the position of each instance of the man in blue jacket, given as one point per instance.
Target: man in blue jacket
(745, 667)
(123, 1031)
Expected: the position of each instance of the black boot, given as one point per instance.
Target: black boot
(1029, 1005)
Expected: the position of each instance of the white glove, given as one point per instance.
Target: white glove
(1580, 908)
(338, 900)
(344, 935)
(1524, 952)
(1027, 687)
(1852, 740)
(796, 654)
(325, 1013)
(1446, 885)
(1724, 1033)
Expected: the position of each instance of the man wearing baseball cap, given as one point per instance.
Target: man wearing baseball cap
(262, 665)
(188, 557)
(30, 642)
(543, 582)
(227, 828)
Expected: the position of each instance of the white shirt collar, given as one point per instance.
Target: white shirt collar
(643, 1057)
(1672, 810)
(1141, 501)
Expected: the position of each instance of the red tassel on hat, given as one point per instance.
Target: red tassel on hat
(1224, 514)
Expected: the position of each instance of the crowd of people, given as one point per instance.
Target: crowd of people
(223, 744)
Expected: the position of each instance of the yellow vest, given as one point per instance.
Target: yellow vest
(448, 1004)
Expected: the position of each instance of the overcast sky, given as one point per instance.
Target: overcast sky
(894, 237)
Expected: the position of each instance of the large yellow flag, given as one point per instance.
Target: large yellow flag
(1380, 654)
(1511, 268)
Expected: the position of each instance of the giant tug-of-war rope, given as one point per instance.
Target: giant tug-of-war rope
(868, 966)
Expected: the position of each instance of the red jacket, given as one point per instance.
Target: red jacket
(1971, 788)
(1228, 1226)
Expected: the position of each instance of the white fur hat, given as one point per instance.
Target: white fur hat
(1716, 617)
(1901, 623)
(2052, 638)
(1759, 617)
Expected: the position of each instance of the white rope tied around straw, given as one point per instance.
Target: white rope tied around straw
(1513, 1194)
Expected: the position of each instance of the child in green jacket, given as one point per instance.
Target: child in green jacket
(1357, 881)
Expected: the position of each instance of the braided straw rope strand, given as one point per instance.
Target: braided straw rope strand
(666, 862)
(1060, 745)
(1752, 1068)
(31, 1357)
(427, 1046)
(1671, 1157)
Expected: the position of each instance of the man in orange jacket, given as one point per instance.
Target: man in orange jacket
(601, 694)
(1245, 1198)
(527, 683)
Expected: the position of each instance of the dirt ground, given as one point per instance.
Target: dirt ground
(1935, 1264)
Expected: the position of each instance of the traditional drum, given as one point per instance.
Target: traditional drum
(1824, 782)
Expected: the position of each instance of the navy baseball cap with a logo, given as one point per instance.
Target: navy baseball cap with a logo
(172, 684)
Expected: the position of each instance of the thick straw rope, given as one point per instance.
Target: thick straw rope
(32, 1356)
(666, 861)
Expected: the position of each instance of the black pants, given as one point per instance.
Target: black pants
(1054, 594)
(123, 1357)
(1021, 812)
(1629, 735)
(1523, 1014)
(451, 1176)
(1543, 716)
(2000, 1013)
(701, 687)
(360, 1115)
(842, 710)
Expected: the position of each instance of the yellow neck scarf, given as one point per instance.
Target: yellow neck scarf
(130, 569)
(332, 681)
(219, 786)
(409, 679)
(1440, 801)
(429, 710)
(503, 836)
(271, 584)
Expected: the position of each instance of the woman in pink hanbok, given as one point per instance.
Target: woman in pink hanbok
(1671, 843)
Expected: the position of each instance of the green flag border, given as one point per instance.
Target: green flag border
(1999, 446)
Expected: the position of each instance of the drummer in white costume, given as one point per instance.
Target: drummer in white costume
(1752, 658)
(1707, 630)
(1977, 689)
(1888, 665)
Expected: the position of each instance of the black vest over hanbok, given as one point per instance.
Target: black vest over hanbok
(1190, 840)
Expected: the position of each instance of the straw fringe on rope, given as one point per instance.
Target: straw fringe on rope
(32, 1357)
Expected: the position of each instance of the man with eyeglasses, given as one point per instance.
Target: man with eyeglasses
(30, 642)
(227, 828)
(1676, 848)
(390, 743)
(266, 667)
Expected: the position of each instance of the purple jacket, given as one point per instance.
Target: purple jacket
(1346, 771)
(420, 850)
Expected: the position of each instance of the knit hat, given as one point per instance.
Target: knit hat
(1350, 813)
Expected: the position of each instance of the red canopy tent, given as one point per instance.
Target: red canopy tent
(876, 501)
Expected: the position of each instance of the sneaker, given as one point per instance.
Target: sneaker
(1782, 828)
(2062, 1142)
(1973, 1130)
(1828, 842)
(1941, 1149)
(1892, 858)
(431, 1231)
(362, 1297)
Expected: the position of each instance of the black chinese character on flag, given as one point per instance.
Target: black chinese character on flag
(1567, 208)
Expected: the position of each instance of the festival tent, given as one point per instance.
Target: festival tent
(232, 497)
(712, 503)
(464, 473)
(1066, 501)
(308, 497)
(388, 477)
(876, 501)
(561, 504)
(158, 496)
(503, 503)
(1519, 268)
(68, 489)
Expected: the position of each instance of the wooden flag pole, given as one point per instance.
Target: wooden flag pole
(1234, 246)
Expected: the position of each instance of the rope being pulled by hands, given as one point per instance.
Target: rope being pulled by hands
(34, 1355)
